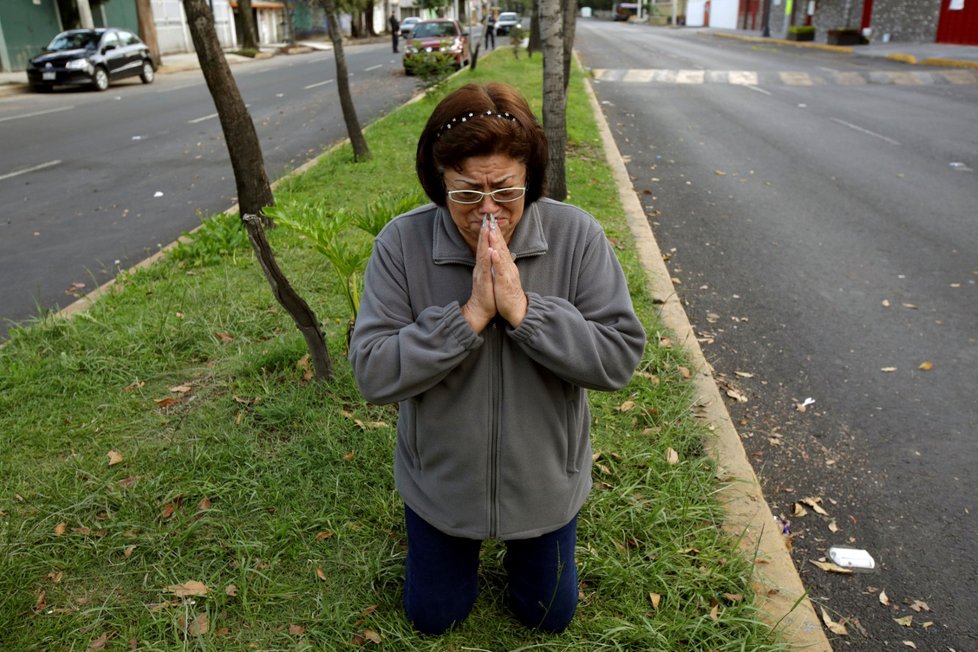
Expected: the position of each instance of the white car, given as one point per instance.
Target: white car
(407, 25)
(506, 21)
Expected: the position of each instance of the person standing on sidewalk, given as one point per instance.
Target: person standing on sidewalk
(395, 29)
(490, 31)
(487, 315)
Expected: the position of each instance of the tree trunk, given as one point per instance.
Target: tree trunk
(249, 36)
(147, 29)
(570, 28)
(368, 17)
(361, 152)
(251, 181)
(534, 44)
(554, 95)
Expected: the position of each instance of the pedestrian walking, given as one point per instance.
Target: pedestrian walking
(490, 31)
(487, 315)
(395, 29)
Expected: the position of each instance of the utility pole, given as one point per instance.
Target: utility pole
(766, 20)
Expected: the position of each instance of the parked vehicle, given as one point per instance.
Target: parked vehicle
(91, 57)
(506, 21)
(407, 25)
(434, 36)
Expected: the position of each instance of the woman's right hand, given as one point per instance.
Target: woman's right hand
(479, 310)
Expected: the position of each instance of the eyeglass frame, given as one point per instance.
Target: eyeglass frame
(482, 195)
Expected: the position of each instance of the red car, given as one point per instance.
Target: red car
(437, 35)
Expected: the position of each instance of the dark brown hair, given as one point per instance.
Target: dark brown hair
(485, 120)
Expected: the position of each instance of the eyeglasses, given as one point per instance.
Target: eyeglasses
(502, 195)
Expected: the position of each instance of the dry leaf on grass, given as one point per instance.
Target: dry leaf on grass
(60, 528)
(672, 457)
(200, 625)
(115, 457)
(99, 643)
(655, 599)
(188, 589)
(231, 590)
(320, 574)
(296, 630)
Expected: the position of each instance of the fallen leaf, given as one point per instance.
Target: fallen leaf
(906, 621)
(200, 625)
(231, 590)
(836, 628)
(744, 374)
(127, 552)
(56, 576)
(224, 337)
(886, 303)
(799, 510)
(41, 602)
(672, 457)
(320, 574)
(884, 599)
(136, 384)
(737, 395)
(833, 527)
(720, 173)
(888, 370)
(204, 504)
(168, 510)
(684, 372)
(60, 528)
(829, 567)
(919, 605)
(626, 406)
(99, 643)
(350, 456)
(655, 599)
(128, 482)
(815, 503)
(734, 597)
(372, 636)
(181, 389)
(115, 457)
(909, 306)
(188, 589)
(927, 625)
(325, 534)
(926, 366)
(296, 630)
(715, 613)
(910, 644)
(166, 402)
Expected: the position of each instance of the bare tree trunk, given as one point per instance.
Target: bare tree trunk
(368, 16)
(570, 28)
(251, 181)
(361, 152)
(554, 95)
(249, 36)
(147, 29)
(534, 44)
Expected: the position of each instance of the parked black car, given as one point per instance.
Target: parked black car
(94, 57)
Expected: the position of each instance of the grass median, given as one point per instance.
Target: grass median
(170, 478)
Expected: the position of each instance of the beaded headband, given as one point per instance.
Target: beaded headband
(471, 115)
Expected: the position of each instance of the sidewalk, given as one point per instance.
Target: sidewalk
(12, 83)
(927, 54)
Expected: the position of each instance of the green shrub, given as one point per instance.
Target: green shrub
(218, 237)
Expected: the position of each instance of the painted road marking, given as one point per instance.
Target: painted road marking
(206, 117)
(36, 113)
(322, 83)
(35, 168)
(865, 131)
(379, 65)
(788, 78)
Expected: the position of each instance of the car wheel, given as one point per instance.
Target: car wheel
(100, 79)
(148, 74)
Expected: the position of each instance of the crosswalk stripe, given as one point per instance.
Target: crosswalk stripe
(787, 77)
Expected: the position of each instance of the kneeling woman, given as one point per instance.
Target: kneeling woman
(486, 315)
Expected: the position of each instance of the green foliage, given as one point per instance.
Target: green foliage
(516, 36)
(251, 53)
(218, 237)
(432, 69)
(345, 236)
(801, 29)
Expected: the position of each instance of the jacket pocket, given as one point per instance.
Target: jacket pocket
(573, 429)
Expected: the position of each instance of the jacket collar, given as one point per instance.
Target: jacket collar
(448, 246)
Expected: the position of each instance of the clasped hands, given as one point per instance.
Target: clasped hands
(496, 287)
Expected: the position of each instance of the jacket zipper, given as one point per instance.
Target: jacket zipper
(494, 396)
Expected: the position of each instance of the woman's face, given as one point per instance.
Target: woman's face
(486, 173)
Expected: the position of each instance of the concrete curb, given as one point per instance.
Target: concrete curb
(780, 596)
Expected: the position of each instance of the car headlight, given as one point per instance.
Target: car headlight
(78, 64)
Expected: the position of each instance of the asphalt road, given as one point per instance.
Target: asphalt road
(92, 183)
(819, 214)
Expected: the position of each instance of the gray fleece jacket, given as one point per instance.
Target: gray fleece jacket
(493, 430)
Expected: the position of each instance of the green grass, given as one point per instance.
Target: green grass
(277, 493)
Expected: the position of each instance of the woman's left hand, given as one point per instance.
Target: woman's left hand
(511, 300)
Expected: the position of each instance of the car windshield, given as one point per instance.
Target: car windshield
(73, 41)
(507, 16)
(421, 30)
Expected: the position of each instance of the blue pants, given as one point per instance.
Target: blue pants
(441, 578)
